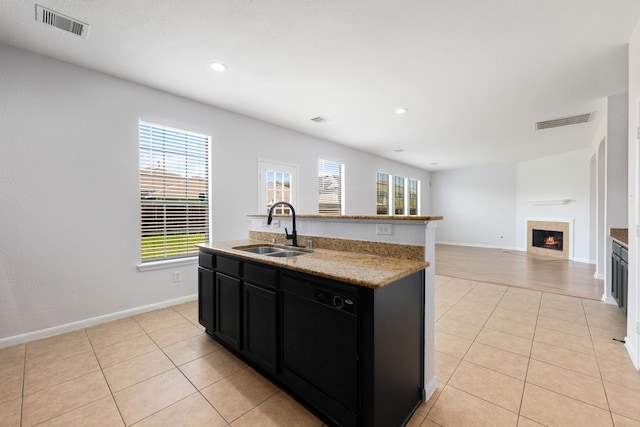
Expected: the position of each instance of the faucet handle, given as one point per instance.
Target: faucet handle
(286, 232)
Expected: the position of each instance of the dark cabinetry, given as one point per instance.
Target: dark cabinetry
(260, 315)
(238, 305)
(353, 354)
(227, 310)
(206, 290)
(619, 274)
(260, 326)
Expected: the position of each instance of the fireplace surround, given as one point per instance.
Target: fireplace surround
(549, 238)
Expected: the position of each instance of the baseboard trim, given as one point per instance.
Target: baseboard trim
(473, 245)
(633, 351)
(80, 324)
(429, 388)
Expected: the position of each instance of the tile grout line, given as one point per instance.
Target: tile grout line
(526, 374)
(24, 376)
(113, 398)
(604, 389)
(198, 391)
(462, 358)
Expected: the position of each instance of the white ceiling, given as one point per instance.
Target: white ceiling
(474, 74)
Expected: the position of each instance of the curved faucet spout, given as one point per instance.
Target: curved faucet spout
(294, 233)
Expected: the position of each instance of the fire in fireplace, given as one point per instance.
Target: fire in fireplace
(547, 239)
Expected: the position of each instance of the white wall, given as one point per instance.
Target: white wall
(478, 206)
(489, 206)
(633, 309)
(69, 189)
(617, 159)
(564, 176)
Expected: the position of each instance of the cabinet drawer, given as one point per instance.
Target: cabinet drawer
(616, 247)
(207, 260)
(260, 275)
(228, 266)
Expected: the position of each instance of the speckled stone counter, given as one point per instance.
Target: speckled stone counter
(367, 217)
(386, 250)
(620, 234)
(371, 271)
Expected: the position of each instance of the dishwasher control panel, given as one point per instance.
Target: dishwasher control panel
(334, 299)
(331, 294)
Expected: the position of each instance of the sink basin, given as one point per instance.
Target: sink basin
(286, 253)
(272, 251)
(263, 250)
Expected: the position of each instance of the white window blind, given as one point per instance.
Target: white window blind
(174, 191)
(330, 188)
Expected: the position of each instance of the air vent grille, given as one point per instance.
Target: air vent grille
(566, 121)
(319, 119)
(50, 17)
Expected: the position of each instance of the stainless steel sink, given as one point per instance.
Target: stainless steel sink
(262, 250)
(286, 253)
(272, 251)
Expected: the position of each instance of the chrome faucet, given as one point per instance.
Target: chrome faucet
(294, 233)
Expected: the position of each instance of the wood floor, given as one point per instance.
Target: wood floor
(515, 268)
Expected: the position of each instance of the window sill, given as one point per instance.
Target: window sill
(167, 263)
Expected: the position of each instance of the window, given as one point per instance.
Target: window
(276, 183)
(174, 191)
(414, 192)
(398, 195)
(403, 199)
(278, 190)
(330, 188)
(382, 193)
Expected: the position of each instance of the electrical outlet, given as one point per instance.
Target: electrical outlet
(383, 229)
(177, 276)
(274, 224)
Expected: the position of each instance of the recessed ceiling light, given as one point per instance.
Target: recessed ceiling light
(399, 150)
(401, 110)
(218, 66)
(434, 163)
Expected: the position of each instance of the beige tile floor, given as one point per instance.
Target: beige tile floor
(504, 357)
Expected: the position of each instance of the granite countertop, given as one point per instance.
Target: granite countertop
(380, 218)
(371, 271)
(621, 235)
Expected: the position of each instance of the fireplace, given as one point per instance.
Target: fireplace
(549, 238)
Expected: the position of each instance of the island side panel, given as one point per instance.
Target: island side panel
(430, 380)
(392, 347)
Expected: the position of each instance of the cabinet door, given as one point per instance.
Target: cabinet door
(624, 285)
(206, 297)
(227, 310)
(260, 326)
(615, 276)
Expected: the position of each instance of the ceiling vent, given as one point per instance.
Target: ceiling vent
(319, 119)
(566, 121)
(50, 17)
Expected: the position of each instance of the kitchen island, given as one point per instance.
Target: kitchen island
(342, 332)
